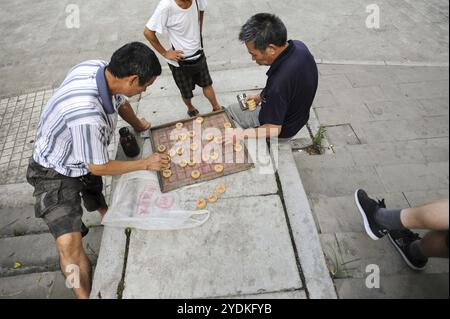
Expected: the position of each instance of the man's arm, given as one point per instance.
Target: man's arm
(202, 18)
(155, 162)
(174, 55)
(127, 113)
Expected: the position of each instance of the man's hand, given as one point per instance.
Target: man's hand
(256, 98)
(143, 126)
(157, 162)
(174, 55)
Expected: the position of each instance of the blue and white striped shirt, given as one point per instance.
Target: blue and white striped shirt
(78, 122)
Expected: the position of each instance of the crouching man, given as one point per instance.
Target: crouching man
(71, 149)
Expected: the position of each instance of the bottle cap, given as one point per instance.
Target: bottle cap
(124, 131)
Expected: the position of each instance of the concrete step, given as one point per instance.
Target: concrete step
(19, 221)
(38, 252)
(47, 285)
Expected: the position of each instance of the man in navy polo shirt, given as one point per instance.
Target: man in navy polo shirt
(284, 104)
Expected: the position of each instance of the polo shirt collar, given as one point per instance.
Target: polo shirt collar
(280, 59)
(103, 90)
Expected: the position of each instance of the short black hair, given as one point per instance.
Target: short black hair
(135, 58)
(262, 30)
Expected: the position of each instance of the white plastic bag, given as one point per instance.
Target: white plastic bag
(138, 203)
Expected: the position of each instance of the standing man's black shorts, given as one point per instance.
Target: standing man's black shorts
(58, 198)
(186, 82)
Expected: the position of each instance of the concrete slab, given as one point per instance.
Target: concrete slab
(232, 254)
(32, 286)
(302, 225)
(39, 251)
(110, 264)
(414, 286)
(419, 198)
(16, 195)
(20, 221)
(414, 177)
(340, 215)
(329, 181)
(359, 252)
(343, 114)
(342, 135)
(382, 153)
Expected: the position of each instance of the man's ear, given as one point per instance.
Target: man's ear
(271, 49)
(133, 80)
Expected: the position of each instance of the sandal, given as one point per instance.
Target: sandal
(193, 113)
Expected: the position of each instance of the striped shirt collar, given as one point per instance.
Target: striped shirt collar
(103, 90)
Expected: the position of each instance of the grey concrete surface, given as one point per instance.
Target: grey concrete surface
(389, 120)
(389, 135)
(234, 253)
(410, 31)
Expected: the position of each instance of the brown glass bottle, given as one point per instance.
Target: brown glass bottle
(129, 144)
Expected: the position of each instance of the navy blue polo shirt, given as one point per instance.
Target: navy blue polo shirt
(290, 90)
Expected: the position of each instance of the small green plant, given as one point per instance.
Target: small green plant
(320, 135)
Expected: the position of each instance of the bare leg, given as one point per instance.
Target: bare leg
(434, 244)
(102, 212)
(72, 255)
(433, 216)
(189, 105)
(211, 96)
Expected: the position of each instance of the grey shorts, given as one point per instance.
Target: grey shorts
(58, 198)
(245, 119)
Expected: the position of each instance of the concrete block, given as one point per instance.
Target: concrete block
(16, 195)
(31, 286)
(341, 181)
(400, 109)
(110, 264)
(305, 161)
(385, 131)
(425, 90)
(434, 149)
(229, 255)
(367, 78)
(35, 251)
(437, 106)
(340, 214)
(303, 226)
(19, 221)
(342, 135)
(343, 114)
(324, 99)
(382, 153)
(414, 177)
(419, 198)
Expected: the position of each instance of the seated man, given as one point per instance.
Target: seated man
(71, 151)
(285, 102)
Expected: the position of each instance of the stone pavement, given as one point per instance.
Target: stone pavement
(389, 131)
(245, 250)
(388, 127)
(38, 49)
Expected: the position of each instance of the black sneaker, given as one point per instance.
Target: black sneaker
(368, 207)
(402, 240)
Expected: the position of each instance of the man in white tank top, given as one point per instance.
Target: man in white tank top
(183, 20)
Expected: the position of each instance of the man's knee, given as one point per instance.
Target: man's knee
(70, 245)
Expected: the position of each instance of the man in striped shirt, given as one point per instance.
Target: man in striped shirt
(71, 150)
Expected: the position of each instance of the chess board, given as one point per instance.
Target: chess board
(204, 157)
